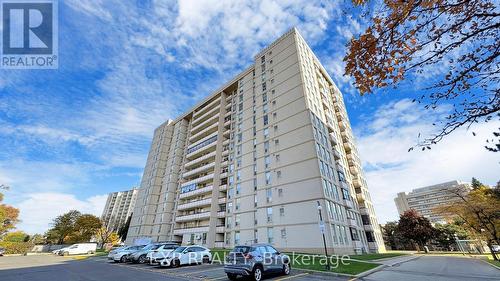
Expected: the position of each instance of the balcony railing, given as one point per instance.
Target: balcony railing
(180, 231)
(195, 204)
(192, 217)
(203, 142)
(199, 159)
(368, 227)
(198, 180)
(196, 192)
(198, 170)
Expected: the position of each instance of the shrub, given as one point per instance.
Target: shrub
(16, 247)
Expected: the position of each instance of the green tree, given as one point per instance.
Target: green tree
(445, 234)
(393, 237)
(63, 226)
(15, 236)
(415, 228)
(479, 209)
(85, 227)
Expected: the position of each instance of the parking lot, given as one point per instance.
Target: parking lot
(56, 268)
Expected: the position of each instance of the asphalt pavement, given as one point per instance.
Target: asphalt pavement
(55, 268)
(437, 268)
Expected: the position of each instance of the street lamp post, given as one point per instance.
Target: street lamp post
(322, 229)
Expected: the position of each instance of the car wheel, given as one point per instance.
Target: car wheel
(176, 263)
(206, 259)
(257, 273)
(142, 259)
(89, 253)
(65, 254)
(232, 276)
(286, 268)
(123, 259)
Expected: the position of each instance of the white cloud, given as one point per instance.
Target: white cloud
(39, 209)
(383, 143)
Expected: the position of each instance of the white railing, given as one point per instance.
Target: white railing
(201, 149)
(180, 231)
(208, 106)
(200, 159)
(200, 179)
(199, 169)
(211, 119)
(200, 191)
(192, 217)
(194, 204)
(197, 135)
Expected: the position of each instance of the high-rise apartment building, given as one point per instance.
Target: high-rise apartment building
(251, 162)
(119, 208)
(425, 199)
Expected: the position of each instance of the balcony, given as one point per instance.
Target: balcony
(336, 154)
(195, 204)
(333, 139)
(199, 180)
(368, 227)
(196, 192)
(219, 245)
(360, 197)
(200, 150)
(221, 214)
(198, 216)
(204, 133)
(198, 170)
(220, 229)
(180, 231)
(210, 120)
(206, 107)
(372, 246)
(348, 146)
(222, 200)
(349, 204)
(357, 244)
(200, 159)
(351, 222)
(223, 187)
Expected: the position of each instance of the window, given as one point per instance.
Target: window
(269, 211)
(276, 141)
(282, 211)
(264, 97)
(267, 161)
(266, 120)
(238, 188)
(278, 174)
(283, 233)
(237, 204)
(228, 222)
(254, 184)
(268, 177)
(280, 192)
(266, 133)
(237, 220)
(255, 200)
(229, 207)
(236, 237)
(334, 234)
(270, 238)
(264, 87)
(269, 195)
(263, 59)
(238, 175)
(266, 146)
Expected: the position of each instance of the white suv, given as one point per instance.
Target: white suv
(186, 255)
(154, 256)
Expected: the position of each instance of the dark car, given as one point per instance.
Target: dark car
(141, 256)
(254, 261)
(2, 251)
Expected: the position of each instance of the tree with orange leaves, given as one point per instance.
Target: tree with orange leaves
(459, 38)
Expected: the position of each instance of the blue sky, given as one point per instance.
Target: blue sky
(70, 136)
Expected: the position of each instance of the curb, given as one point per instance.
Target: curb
(400, 262)
(324, 272)
(368, 272)
(497, 267)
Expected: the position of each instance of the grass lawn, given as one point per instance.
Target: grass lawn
(315, 262)
(368, 257)
(493, 262)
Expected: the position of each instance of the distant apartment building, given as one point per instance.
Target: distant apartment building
(119, 208)
(425, 199)
(251, 162)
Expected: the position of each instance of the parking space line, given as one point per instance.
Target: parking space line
(292, 276)
(216, 278)
(201, 271)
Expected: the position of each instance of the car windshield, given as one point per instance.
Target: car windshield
(151, 247)
(180, 249)
(242, 249)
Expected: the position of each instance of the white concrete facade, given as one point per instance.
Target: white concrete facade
(425, 199)
(119, 208)
(250, 162)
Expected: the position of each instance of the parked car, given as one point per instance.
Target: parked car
(2, 251)
(79, 249)
(122, 255)
(495, 248)
(141, 256)
(186, 255)
(254, 261)
(115, 251)
(159, 253)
